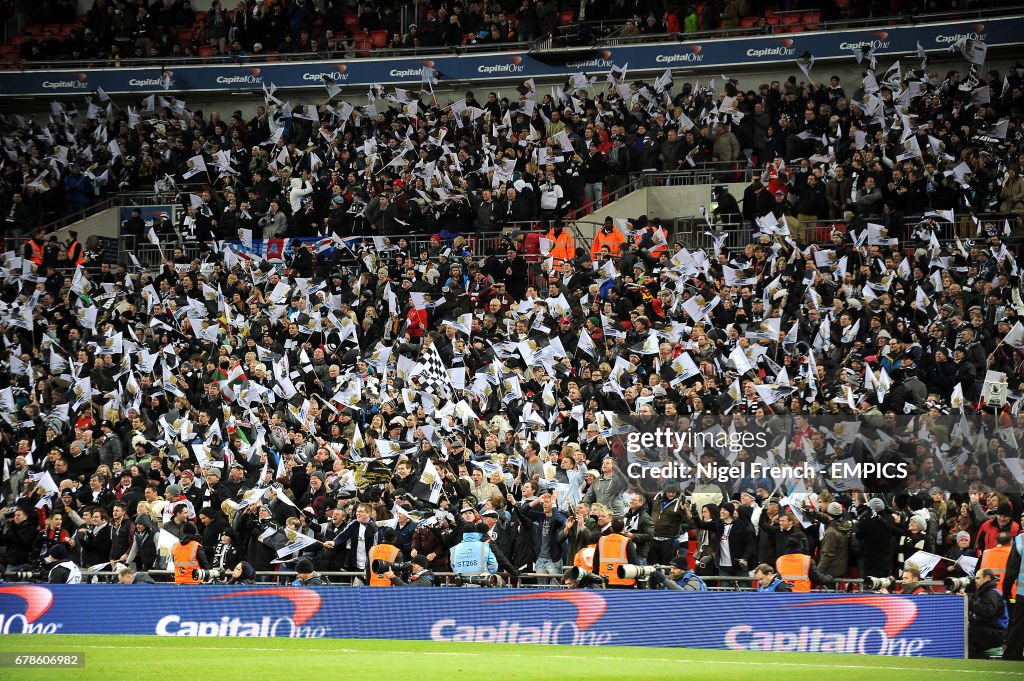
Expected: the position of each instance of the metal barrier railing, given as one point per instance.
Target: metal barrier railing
(521, 580)
(695, 233)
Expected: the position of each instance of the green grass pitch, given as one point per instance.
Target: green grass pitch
(129, 658)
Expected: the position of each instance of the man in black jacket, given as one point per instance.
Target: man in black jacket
(986, 616)
(876, 532)
(639, 527)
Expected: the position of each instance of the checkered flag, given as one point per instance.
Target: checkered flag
(433, 376)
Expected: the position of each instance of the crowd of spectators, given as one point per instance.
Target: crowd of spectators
(883, 149)
(117, 30)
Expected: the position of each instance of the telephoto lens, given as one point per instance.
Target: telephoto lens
(635, 571)
(878, 583)
(955, 585)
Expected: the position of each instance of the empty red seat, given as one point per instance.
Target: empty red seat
(206, 51)
(790, 19)
(379, 38)
(794, 28)
(351, 22)
(185, 35)
(748, 22)
(565, 18)
(812, 17)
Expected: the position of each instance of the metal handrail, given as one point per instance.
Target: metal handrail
(695, 231)
(110, 201)
(602, 41)
(546, 580)
(607, 37)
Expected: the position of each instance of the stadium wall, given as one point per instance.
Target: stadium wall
(890, 625)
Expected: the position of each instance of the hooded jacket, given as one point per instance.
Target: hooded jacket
(299, 189)
(835, 548)
(472, 556)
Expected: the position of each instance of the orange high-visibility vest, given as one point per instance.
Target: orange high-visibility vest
(995, 559)
(585, 558)
(184, 556)
(385, 552)
(76, 254)
(795, 568)
(612, 548)
(613, 240)
(564, 246)
(37, 252)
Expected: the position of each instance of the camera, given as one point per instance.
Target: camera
(956, 585)
(39, 573)
(583, 577)
(477, 580)
(379, 567)
(878, 583)
(635, 571)
(200, 575)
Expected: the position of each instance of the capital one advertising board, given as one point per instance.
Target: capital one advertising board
(757, 50)
(898, 626)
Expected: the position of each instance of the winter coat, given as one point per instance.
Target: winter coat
(835, 548)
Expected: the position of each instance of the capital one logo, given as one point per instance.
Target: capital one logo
(691, 56)
(973, 32)
(305, 604)
(844, 632)
(37, 600)
(786, 49)
(590, 608)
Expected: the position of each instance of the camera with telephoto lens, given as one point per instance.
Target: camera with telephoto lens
(956, 585)
(40, 572)
(379, 567)
(201, 575)
(879, 583)
(477, 580)
(635, 571)
(585, 578)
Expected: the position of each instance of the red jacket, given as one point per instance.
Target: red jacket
(986, 538)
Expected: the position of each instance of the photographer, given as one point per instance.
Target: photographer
(986, 616)
(128, 575)
(305, 575)
(679, 578)
(768, 580)
(421, 574)
(385, 551)
(910, 584)
(188, 557)
(64, 570)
